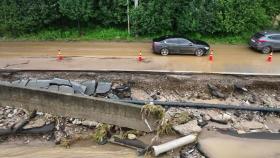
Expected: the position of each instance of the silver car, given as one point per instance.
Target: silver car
(266, 41)
(178, 45)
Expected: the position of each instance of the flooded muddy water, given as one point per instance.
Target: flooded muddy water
(217, 145)
(45, 49)
(123, 56)
(40, 150)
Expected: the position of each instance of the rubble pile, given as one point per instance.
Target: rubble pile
(182, 121)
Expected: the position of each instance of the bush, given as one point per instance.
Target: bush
(225, 17)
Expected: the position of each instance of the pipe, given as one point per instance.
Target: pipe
(205, 105)
(159, 149)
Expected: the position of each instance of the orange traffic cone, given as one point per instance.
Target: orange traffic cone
(211, 58)
(59, 56)
(269, 58)
(140, 58)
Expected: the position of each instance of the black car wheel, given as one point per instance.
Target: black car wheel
(199, 52)
(164, 51)
(266, 50)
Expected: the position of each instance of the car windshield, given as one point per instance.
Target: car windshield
(258, 35)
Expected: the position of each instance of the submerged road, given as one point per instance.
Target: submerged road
(122, 56)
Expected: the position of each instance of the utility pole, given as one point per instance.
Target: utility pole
(136, 2)
(128, 18)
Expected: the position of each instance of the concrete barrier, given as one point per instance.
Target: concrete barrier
(98, 109)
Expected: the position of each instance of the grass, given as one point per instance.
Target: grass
(155, 111)
(113, 34)
(181, 118)
(101, 132)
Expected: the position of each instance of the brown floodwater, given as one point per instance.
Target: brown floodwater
(44, 49)
(216, 145)
(123, 56)
(48, 150)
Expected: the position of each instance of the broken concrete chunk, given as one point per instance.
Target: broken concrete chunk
(78, 88)
(5, 83)
(188, 128)
(32, 83)
(215, 91)
(60, 82)
(90, 87)
(240, 87)
(212, 87)
(89, 123)
(131, 136)
(273, 124)
(113, 96)
(43, 84)
(122, 91)
(53, 88)
(77, 122)
(34, 124)
(66, 89)
(103, 87)
(23, 83)
(218, 117)
(251, 125)
(217, 94)
(16, 83)
(218, 126)
(139, 94)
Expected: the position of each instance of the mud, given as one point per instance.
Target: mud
(216, 145)
(50, 49)
(123, 56)
(49, 150)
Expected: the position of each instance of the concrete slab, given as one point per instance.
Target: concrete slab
(5, 83)
(90, 108)
(60, 82)
(66, 89)
(32, 83)
(16, 83)
(53, 88)
(23, 82)
(103, 88)
(43, 84)
(90, 87)
(78, 88)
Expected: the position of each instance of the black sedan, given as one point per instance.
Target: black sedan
(177, 45)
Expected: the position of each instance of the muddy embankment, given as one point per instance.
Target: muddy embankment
(261, 91)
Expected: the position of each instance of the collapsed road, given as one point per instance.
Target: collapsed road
(243, 104)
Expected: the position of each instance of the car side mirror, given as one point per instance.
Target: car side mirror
(190, 44)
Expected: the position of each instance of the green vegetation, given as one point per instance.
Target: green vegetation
(101, 132)
(155, 111)
(73, 34)
(216, 21)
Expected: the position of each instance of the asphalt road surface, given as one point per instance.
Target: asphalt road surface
(123, 56)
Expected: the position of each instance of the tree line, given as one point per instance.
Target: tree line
(150, 17)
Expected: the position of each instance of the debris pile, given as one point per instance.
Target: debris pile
(175, 122)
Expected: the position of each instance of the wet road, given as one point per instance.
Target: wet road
(123, 56)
